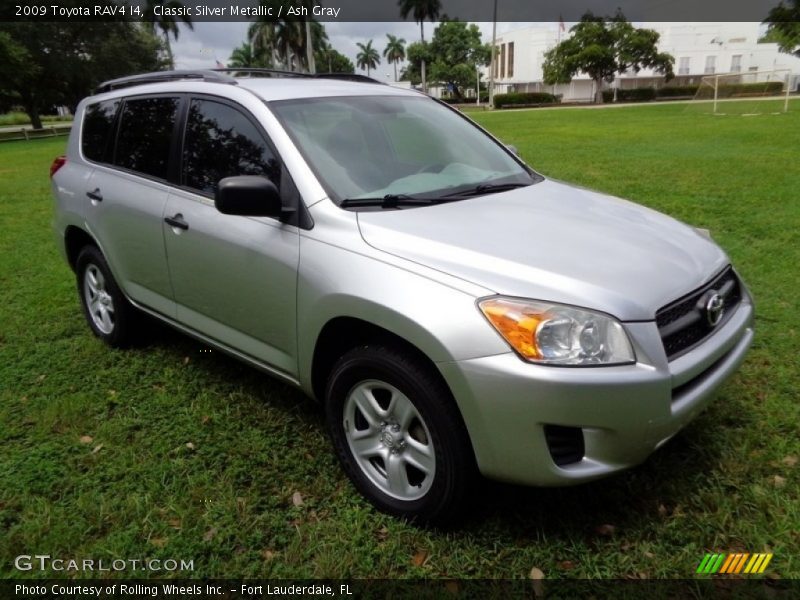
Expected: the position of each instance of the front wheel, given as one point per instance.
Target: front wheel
(398, 434)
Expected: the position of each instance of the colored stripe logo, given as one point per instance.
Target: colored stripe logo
(732, 564)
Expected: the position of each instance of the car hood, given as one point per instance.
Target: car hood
(554, 242)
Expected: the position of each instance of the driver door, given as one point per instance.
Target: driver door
(233, 277)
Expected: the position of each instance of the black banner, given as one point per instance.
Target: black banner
(622, 589)
(388, 10)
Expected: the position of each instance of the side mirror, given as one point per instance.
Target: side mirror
(513, 149)
(249, 196)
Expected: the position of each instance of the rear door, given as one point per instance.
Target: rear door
(234, 278)
(127, 193)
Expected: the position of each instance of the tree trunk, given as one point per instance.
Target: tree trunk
(168, 47)
(422, 69)
(33, 112)
(394, 64)
(598, 91)
(312, 68)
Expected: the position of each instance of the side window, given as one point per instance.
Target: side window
(221, 142)
(145, 134)
(98, 122)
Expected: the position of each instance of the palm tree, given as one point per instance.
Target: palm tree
(167, 25)
(263, 41)
(368, 58)
(290, 42)
(395, 51)
(421, 10)
(244, 56)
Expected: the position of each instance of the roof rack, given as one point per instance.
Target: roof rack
(349, 77)
(223, 76)
(258, 71)
(160, 76)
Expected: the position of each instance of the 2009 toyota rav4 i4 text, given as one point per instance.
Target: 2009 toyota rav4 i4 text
(454, 311)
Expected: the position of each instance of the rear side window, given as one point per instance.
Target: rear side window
(98, 123)
(145, 135)
(221, 142)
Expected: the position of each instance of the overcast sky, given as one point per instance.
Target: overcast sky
(208, 42)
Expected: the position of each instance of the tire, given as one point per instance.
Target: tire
(398, 434)
(109, 314)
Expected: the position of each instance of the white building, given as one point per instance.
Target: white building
(698, 48)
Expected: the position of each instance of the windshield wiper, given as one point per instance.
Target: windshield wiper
(391, 201)
(488, 188)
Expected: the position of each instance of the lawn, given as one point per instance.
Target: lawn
(170, 451)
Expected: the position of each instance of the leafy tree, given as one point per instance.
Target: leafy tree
(456, 51)
(602, 48)
(784, 26)
(167, 25)
(421, 10)
(395, 51)
(282, 43)
(333, 61)
(368, 58)
(244, 56)
(416, 54)
(49, 64)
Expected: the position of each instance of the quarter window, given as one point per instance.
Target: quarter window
(98, 121)
(145, 135)
(221, 142)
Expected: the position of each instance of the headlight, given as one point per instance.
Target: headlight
(555, 334)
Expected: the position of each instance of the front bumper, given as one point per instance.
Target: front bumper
(624, 412)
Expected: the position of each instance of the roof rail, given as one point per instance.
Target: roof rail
(349, 77)
(258, 71)
(251, 71)
(159, 76)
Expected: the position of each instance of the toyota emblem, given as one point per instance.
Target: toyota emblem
(715, 306)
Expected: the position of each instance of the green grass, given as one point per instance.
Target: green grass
(20, 118)
(727, 483)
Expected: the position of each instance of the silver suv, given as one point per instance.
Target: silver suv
(454, 311)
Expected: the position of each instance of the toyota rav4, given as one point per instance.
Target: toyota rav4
(454, 311)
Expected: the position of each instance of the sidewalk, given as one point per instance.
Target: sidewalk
(5, 128)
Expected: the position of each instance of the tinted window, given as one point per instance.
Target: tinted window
(221, 142)
(144, 136)
(97, 125)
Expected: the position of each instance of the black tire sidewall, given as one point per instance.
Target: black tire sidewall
(434, 403)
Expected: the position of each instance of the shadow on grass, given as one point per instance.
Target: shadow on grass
(626, 501)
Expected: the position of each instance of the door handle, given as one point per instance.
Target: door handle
(95, 195)
(177, 221)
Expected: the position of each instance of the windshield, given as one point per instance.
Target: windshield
(373, 147)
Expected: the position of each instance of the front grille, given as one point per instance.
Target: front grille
(565, 444)
(684, 323)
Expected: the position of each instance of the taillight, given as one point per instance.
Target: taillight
(59, 162)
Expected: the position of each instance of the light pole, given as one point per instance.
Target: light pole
(494, 51)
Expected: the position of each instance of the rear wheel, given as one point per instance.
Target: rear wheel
(398, 434)
(109, 314)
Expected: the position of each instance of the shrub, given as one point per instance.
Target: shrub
(523, 99)
(677, 90)
(637, 95)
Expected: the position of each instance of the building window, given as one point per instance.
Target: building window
(711, 64)
(736, 63)
(683, 68)
(753, 69)
(497, 62)
(502, 61)
(510, 59)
